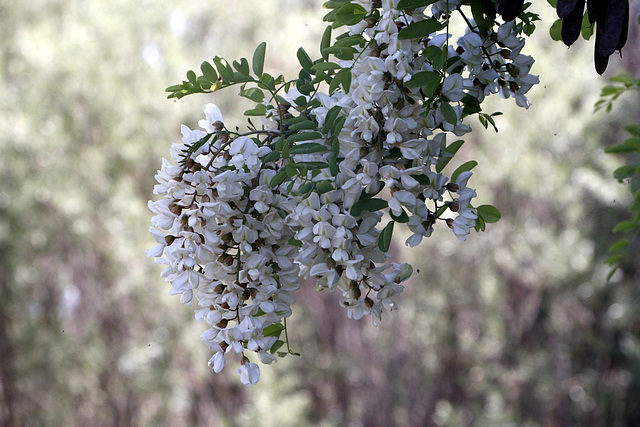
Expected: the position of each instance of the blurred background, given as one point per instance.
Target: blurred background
(516, 327)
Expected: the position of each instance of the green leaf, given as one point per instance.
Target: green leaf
(625, 172)
(273, 330)
(174, 88)
(242, 67)
(422, 78)
(610, 90)
(191, 76)
(268, 81)
(323, 187)
(333, 164)
(587, 27)
(293, 120)
(471, 105)
(619, 245)
(330, 118)
(489, 214)
(224, 69)
(614, 259)
(278, 179)
(348, 41)
(293, 242)
(420, 29)
(304, 59)
(625, 226)
(257, 62)
(451, 149)
(304, 136)
(209, 72)
(556, 30)
(403, 218)
(254, 94)
(448, 113)
(413, 4)
(304, 125)
(334, 4)
(342, 77)
(271, 157)
(481, 225)
(349, 14)
(259, 110)
(341, 52)
(611, 273)
(310, 165)
(370, 205)
(422, 179)
(308, 148)
(276, 346)
(337, 125)
(325, 42)
(633, 130)
(628, 146)
(384, 239)
(306, 188)
(626, 80)
(467, 166)
(324, 66)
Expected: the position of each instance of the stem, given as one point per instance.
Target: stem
(286, 336)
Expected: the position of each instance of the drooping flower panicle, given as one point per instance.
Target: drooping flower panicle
(244, 216)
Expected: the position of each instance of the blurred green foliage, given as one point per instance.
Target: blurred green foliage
(518, 326)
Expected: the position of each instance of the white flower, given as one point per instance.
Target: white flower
(249, 373)
(213, 115)
(217, 362)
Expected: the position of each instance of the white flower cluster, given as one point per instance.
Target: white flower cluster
(236, 235)
(221, 232)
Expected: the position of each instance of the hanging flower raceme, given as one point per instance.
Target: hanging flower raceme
(242, 217)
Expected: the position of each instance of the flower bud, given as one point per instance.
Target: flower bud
(454, 206)
(357, 293)
(368, 302)
(223, 137)
(219, 289)
(222, 324)
(283, 108)
(218, 125)
(226, 259)
(225, 306)
(452, 186)
(168, 239)
(175, 209)
(449, 222)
